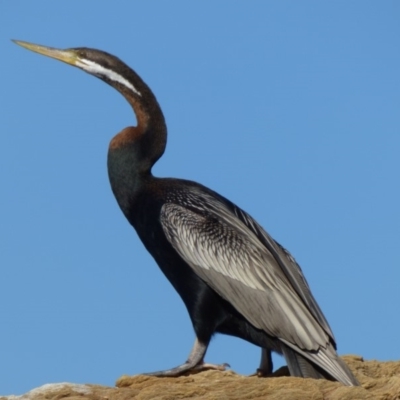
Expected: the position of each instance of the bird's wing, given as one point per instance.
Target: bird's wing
(230, 258)
(289, 267)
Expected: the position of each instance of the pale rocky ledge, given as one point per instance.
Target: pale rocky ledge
(379, 380)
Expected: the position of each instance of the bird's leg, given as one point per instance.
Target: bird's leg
(266, 366)
(194, 362)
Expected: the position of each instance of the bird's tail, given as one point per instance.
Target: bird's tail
(325, 363)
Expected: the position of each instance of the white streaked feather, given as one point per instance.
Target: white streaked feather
(234, 252)
(244, 265)
(327, 359)
(248, 226)
(97, 69)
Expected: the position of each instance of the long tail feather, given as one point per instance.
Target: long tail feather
(325, 363)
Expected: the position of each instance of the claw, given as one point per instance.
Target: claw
(205, 366)
(194, 363)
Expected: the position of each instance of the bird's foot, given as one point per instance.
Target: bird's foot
(195, 363)
(266, 366)
(283, 371)
(206, 366)
(261, 373)
(188, 368)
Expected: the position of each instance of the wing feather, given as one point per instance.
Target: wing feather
(230, 258)
(290, 268)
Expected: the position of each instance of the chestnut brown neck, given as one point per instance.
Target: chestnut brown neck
(134, 150)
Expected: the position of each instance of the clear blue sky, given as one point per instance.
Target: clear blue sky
(290, 109)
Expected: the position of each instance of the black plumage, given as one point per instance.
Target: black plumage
(232, 276)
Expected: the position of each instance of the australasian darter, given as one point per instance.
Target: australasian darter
(231, 275)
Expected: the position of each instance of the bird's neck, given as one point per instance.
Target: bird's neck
(125, 174)
(131, 155)
(134, 150)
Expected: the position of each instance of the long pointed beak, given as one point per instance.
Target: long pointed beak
(68, 56)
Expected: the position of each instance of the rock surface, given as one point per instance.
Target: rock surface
(379, 380)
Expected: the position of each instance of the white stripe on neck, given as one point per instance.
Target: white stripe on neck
(97, 69)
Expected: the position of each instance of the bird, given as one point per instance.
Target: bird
(232, 276)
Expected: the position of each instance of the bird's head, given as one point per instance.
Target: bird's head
(95, 62)
(144, 143)
(116, 73)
